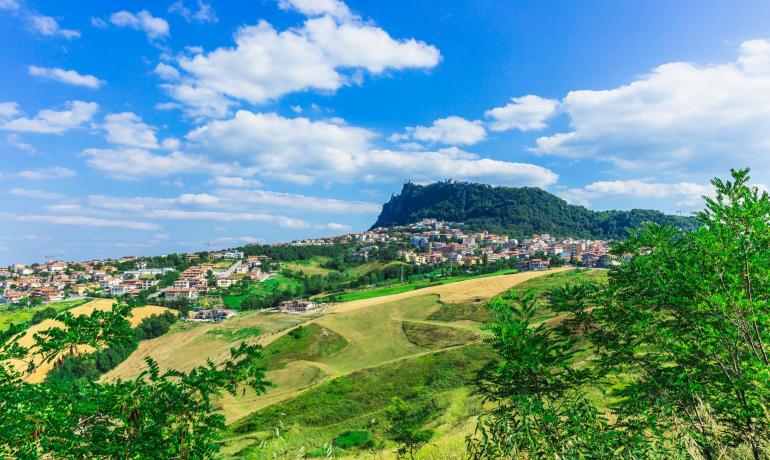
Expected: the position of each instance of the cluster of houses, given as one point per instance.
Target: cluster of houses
(435, 242)
(455, 247)
(57, 280)
(230, 270)
(428, 242)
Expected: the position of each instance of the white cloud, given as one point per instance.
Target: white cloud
(46, 25)
(128, 129)
(15, 140)
(681, 118)
(12, 5)
(55, 172)
(166, 71)
(69, 77)
(239, 240)
(179, 214)
(333, 8)
(324, 54)
(54, 122)
(235, 182)
(451, 130)
(200, 199)
(527, 113)
(99, 22)
(201, 102)
(295, 202)
(335, 227)
(205, 12)
(37, 194)
(301, 150)
(8, 110)
(680, 194)
(171, 143)
(79, 221)
(154, 27)
(132, 163)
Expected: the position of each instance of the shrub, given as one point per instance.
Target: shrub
(358, 439)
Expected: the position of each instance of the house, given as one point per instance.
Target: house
(148, 283)
(297, 306)
(216, 314)
(181, 294)
(537, 264)
(226, 282)
(48, 294)
(14, 297)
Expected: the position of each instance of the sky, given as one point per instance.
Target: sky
(143, 128)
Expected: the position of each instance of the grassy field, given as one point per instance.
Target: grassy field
(406, 287)
(340, 369)
(276, 282)
(11, 314)
(308, 267)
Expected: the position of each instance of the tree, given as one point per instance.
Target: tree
(537, 394)
(169, 414)
(689, 316)
(405, 427)
(678, 338)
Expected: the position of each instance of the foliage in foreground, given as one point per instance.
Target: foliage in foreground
(685, 323)
(160, 414)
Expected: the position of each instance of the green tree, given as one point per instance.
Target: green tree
(405, 423)
(162, 414)
(537, 393)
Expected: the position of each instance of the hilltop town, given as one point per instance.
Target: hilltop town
(189, 277)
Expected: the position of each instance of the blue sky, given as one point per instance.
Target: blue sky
(151, 127)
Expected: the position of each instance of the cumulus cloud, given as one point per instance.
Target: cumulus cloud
(301, 150)
(680, 118)
(46, 25)
(451, 130)
(681, 194)
(69, 77)
(154, 27)
(205, 12)
(50, 121)
(8, 110)
(128, 129)
(333, 8)
(166, 71)
(527, 113)
(325, 53)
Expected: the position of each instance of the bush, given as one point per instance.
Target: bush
(358, 439)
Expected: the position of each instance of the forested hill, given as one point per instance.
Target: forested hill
(520, 211)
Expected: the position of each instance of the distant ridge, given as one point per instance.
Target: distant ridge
(520, 211)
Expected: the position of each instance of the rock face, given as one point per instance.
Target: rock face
(517, 211)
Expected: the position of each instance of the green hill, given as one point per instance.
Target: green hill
(518, 211)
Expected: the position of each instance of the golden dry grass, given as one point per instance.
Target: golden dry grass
(454, 292)
(372, 328)
(27, 340)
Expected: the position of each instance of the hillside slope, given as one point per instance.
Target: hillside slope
(520, 211)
